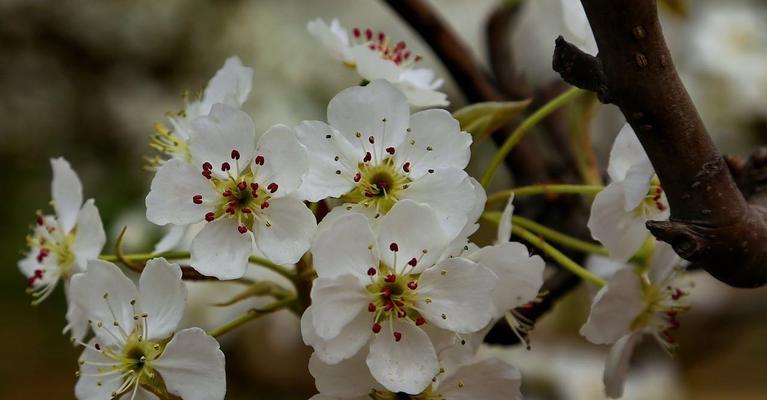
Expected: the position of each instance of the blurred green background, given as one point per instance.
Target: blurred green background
(87, 79)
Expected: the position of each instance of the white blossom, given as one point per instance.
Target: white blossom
(241, 184)
(633, 197)
(137, 351)
(381, 286)
(373, 153)
(376, 56)
(637, 302)
(62, 244)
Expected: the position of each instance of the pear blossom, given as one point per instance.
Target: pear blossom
(372, 153)
(635, 303)
(382, 286)
(62, 244)
(376, 56)
(137, 351)
(633, 197)
(241, 184)
(489, 379)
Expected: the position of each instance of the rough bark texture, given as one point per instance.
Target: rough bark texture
(712, 223)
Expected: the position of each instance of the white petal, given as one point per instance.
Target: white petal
(621, 232)
(371, 66)
(416, 230)
(214, 136)
(435, 141)
(171, 239)
(636, 185)
(220, 250)
(192, 366)
(290, 235)
(664, 260)
(625, 153)
(87, 387)
(336, 302)
(67, 193)
(617, 364)
(345, 247)
(346, 209)
(77, 320)
(348, 343)
(615, 308)
(89, 289)
(604, 267)
(405, 366)
(321, 180)
(90, 236)
(230, 85)
(378, 110)
(346, 379)
(490, 379)
(520, 275)
(421, 97)
(460, 293)
(333, 38)
(504, 225)
(28, 264)
(170, 198)
(450, 193)
(285, 160)
(163, 297)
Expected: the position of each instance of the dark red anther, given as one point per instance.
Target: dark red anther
(386, 292)
(264, 205)
(230, 210)
(372, 307)
(235, 155)
(357, 177)
(254, 186)
(413, 285)
(197, 199)
(368, 194)
(394, 247)
(401, 313)
(242, 228)
(38, 274)
(97, 346)
(206, 166)
(226, 193)
(418, 58)
(397, 336)
(368, 34)
(376, 327)
(400, 45)
(383, 185)
(371, 271)
(406, 166)
(242, 185)
(207, 174)
(406, 55)
(391, 278)
(412, 262)
(390, 150)
(225, 166)
(388, 306)
(420, 321)
(246, 210)
(367, 157)
(356, 32)
(39, 219)
(272, 187)
(210, 216)
(381, 36)
(371, 139)
(260, 160)
(677, 294)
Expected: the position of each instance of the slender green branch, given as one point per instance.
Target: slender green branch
(556, 255)
(253, 313)
(525, 126)
(559, 237)
(543, 189)
(274, 267)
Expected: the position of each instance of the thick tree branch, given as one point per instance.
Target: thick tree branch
(499, 50)
(711, 221)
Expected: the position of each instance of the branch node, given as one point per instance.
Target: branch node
(580, 69)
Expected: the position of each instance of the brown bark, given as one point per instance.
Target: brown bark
(712, 223)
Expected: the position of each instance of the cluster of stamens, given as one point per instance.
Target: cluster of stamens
(166, 142)
(381, 44)
(664, 305)
(239, 194)
(654, 197)
(48, 240)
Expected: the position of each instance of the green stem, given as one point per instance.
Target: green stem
(559, 237)
(525, 126)
(252, 314)
(274, 267)
(543, 189)
(555, 254)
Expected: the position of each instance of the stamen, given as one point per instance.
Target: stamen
(197, 199)
(225, 166)
(376, 327)
(235, 155)
(397, 336)
(260, 160)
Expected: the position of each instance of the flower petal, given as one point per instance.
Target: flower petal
(421, 97)
(323, 145)
(230, 85)
(617, 364)
(285, 160)
(621, 232)
(407, 365)
(214, 136)
(67, 193)
(378, 110)
(345, 247)
(90, 387)
(348, 343)
(170, 198)
(504, 224)
(417, 232)
(458, 292)
(637, 185)
(171, 239)
(435, 141)
(371, 66)
(105, 294)
(220, 250)
(520, 275)
(290, 235)
(664, 260)
(626, 152)
(491, 379)
(163, 297)
(90, 236)
(336, 302)
(333, 38)
(192, 366)
(348, 378)
(77, 320)
(615, 308)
